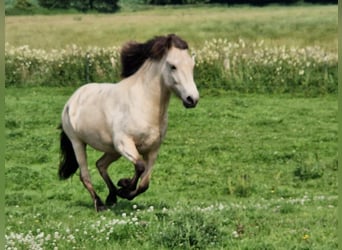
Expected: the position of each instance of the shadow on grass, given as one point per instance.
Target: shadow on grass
(123, 205)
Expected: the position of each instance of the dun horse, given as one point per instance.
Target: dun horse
(128, 118)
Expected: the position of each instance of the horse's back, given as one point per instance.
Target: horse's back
(85, 115)
(87, 100)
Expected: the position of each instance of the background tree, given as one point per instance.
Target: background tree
(82, 5)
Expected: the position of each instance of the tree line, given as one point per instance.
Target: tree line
(110, 6)
(235, 2)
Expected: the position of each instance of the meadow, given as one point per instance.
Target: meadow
(295, 26)
(246, 169)
(237, 172)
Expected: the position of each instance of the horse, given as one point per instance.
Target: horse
(128, 118)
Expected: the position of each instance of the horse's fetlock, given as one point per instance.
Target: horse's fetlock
(143, 188)
(140, 167)
(111, 199)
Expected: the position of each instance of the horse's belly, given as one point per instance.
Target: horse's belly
(98, 140)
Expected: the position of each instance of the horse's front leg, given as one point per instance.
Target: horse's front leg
(131, 184)
(143, 171)
(126, 147)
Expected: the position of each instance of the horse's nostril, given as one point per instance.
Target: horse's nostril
(190, 100)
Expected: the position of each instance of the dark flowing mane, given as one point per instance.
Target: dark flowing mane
(133, 54)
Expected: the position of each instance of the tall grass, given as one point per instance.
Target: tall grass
(221, 65)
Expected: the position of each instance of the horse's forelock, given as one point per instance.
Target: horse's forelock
(177, 42)
(133, 54)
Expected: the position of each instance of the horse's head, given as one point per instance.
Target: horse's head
(178, 76)
(176, 64)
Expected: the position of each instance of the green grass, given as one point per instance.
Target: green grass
(237, 172)
(299, 26)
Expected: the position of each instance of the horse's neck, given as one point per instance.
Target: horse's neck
(156, 94)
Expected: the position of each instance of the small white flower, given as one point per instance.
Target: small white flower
(56, 235)
(235, 234)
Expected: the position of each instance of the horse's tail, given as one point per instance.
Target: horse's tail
(68, 163)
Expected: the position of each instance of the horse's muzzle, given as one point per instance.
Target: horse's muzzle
(190, 102)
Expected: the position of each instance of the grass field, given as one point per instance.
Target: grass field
(238, 172)
(241, 171)
(300, 26)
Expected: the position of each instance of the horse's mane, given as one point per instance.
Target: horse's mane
(133, 54)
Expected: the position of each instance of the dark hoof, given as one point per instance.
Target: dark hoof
(125, 194)
(111, 200)
(99, 206)
(124, 182)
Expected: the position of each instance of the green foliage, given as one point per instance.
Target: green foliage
(188, 231)
(98, 5)
(58, 4)
(309, 169)
(44, 6)
(240, 186)
(21, 7)
(164, 2)
(266, 2)
(234, 2)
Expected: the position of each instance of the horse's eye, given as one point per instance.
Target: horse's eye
(173, 67)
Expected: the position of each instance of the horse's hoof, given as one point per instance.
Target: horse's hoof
(122, 192)
(125, 194)
(111, 200)
(124, 182)
(101, 208)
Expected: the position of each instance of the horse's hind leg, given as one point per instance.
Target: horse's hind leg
(102, 165)
(81, 156)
